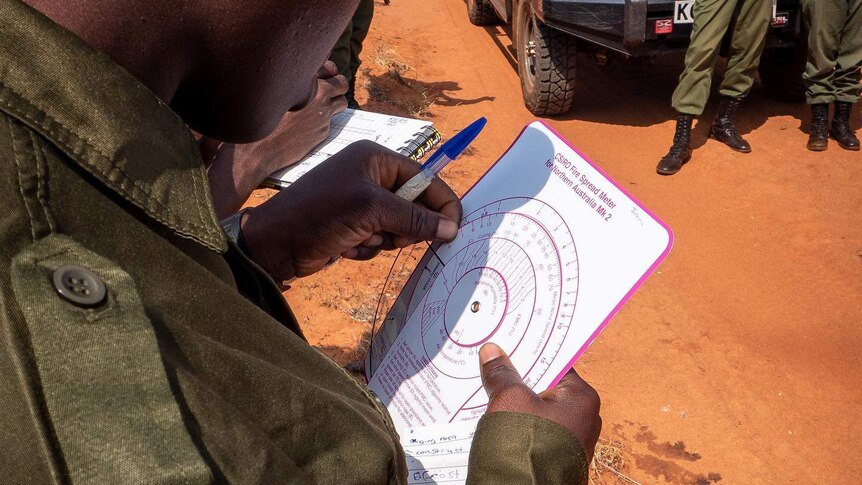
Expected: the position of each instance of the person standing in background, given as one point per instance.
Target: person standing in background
(345, 54)
(832, 74)
(712, 19)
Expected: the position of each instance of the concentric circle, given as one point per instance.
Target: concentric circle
(511, 278)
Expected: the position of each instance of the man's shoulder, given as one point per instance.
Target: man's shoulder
(105, 122)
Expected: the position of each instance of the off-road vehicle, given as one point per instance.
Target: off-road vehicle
(548, 34)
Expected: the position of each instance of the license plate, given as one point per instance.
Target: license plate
(682, 12)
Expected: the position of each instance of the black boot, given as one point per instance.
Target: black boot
(680, 152)
(351, 94)
(723, 128)
(841, 130)
(818, 133)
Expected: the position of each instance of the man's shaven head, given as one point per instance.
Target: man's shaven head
(230, 68)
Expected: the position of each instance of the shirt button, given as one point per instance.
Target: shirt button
(79, 286)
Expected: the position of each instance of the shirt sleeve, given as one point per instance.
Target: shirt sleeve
(515, 448)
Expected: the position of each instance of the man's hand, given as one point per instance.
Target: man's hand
(299, 131)
(346, 207)
(239, 169)
(572, 404)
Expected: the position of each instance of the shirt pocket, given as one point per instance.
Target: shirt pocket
(110, 404)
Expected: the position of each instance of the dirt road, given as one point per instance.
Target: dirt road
(738, 361)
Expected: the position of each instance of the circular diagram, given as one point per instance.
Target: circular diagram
(510, 277)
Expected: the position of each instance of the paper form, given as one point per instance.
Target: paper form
(548, 250)
(438, 454)
(393, 132)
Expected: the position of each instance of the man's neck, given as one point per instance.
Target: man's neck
(144, 42)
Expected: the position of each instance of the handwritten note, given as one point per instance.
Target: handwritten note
(438, 454)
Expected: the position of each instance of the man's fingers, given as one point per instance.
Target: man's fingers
(594, 437)
(396, 170)
(361, 253)
(576, 394)
(327, 70)
(335, 86)
(403, 241)
(413, 221)
(498, 373)
(572, 380)
(389, 242)
(571, 386)
(374, 241)
(441, 198)
(339, 104)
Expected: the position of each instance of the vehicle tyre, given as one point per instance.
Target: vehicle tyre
(781, 73)
(481, 12)
(547, 61)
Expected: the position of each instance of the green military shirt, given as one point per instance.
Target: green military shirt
(137, 344)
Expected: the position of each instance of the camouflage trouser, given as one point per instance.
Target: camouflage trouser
(712, 19)
(345, 55)
(834, 50)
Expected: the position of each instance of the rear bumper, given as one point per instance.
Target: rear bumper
(630, 26)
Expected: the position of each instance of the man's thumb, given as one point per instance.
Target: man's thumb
(498, 373)
(416, 222)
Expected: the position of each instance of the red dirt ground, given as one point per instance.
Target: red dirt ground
(738, 362)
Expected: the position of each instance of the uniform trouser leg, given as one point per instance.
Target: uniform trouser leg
(825, 20)
(345, 54)
(361, 23)
(746, 47)
(847, 74)
(711, 20)
(341, 52)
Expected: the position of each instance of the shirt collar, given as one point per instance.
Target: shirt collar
(105, 121)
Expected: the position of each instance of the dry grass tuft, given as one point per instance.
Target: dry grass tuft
(386, 57)
(358, 306)
(609, 458)
(351, 301)
(356, 358)
(363, 311)
(420, 106)
(393, 87)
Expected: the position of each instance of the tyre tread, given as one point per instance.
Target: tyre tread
(482, 14)
(557, 66)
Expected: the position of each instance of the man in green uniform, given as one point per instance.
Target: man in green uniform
(140, 344)
(345, 55)
(832, 73)
(712, 19)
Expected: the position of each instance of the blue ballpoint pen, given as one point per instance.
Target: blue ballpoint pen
(449, 151)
